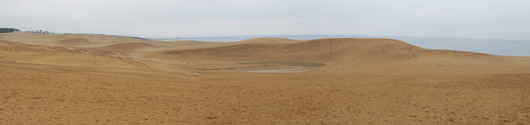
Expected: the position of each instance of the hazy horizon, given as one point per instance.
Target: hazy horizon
(186, 18)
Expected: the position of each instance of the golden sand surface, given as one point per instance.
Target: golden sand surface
(100, 79)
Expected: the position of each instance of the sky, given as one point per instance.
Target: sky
(485, 19)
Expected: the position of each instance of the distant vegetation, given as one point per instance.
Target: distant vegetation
(40, 31)
(8, 30)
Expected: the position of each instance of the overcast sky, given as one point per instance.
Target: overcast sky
(497, 19)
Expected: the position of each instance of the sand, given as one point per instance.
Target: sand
(99, 79)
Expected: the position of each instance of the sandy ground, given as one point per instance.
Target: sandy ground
(99, 79)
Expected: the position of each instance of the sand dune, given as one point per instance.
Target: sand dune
(349, 55)
(322, 50)
(39, 54)
(99, 79)
(74, 41)
(341, 55)
(127, 47)
(9, 43)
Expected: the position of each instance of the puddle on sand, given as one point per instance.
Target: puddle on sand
(303, 64)
(289, 70)
(282, 67)
(270, 67)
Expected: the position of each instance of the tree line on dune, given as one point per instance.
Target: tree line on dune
(40, 31)
(8, 30)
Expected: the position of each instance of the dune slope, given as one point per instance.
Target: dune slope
(39, 54)
(349, 55)
(127, 47)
